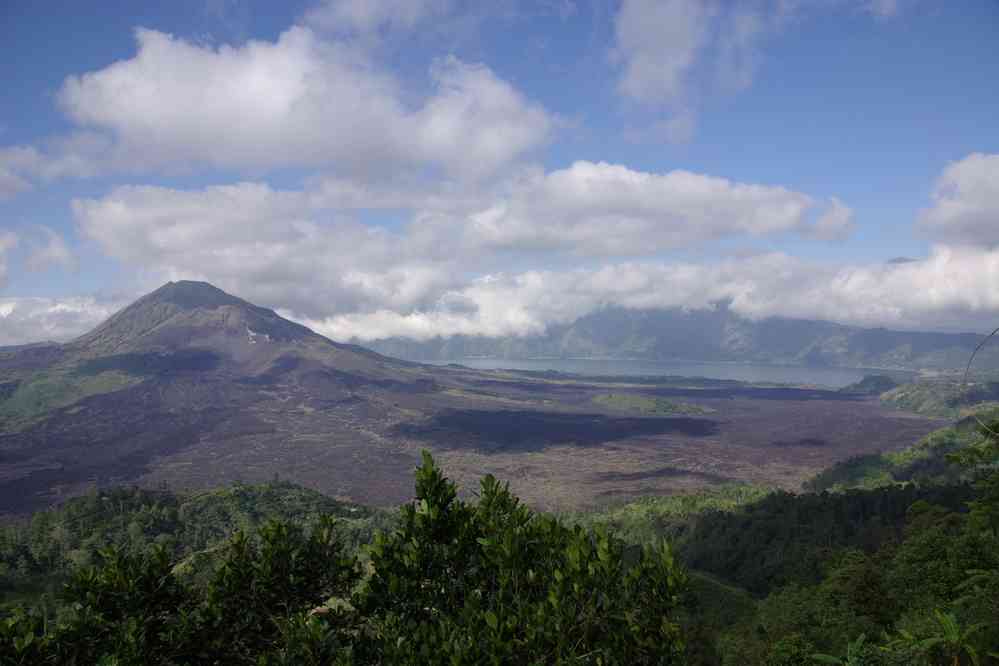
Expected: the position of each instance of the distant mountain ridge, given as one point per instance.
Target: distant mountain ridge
(711, 335)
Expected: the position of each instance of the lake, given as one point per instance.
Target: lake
(743, 372)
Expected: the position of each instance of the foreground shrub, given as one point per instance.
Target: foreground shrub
(495, 583)
(489, 582)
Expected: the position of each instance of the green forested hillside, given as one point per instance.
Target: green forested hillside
(871, 385)
(671, 516)
(901, 570)
(37, 554)
(949, 398)
(759, 540)
(453, 583)
(927, 461)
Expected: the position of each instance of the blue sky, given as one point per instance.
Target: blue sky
(430, 167)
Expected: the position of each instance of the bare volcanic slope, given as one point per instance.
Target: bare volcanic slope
(192, 387)
(185, 366)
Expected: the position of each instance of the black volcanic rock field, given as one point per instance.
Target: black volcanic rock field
(192, 388)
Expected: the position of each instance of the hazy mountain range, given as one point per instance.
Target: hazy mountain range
(711, 335)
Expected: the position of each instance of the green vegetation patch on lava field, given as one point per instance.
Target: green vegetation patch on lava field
(926, 461)
(948, 398)
(52, 389)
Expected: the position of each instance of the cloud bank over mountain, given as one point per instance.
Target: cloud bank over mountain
(29, 319)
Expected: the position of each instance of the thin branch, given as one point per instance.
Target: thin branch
(967, 371)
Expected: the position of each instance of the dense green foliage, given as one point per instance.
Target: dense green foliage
(490, 582)
(903, 572)
(133, 609)
(948, 398)
(871, 385)
(926, 461)
(929, 597)
(495, 583)
(787, 538)
(670, 516)
(759, 539)
(37, 555)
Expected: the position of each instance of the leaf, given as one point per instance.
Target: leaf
(827, 659)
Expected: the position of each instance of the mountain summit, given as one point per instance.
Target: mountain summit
(190, 294)
(190, 370)
(183, 313)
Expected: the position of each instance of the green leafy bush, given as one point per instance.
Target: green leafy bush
(490, 582)
(496, 583)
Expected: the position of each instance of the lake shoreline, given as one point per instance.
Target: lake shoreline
(742, 371)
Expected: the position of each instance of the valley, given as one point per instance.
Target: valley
(192, 388)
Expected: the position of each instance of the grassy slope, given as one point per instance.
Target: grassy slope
(651, 518)
(35, 394)
(53, 389)
(944, 398)
(924, 461)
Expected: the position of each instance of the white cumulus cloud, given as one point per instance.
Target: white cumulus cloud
(607, 209)
(449, 269)
(966, 202)
(658, 43)
(24, 320)
(306, 250)
(276, 247)
(948, 290)
(299, 101)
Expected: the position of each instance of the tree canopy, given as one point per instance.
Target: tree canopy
(455, 582)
